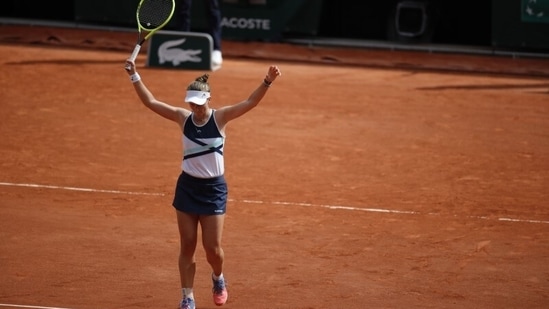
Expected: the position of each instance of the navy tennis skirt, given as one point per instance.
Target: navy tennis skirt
(201, 196)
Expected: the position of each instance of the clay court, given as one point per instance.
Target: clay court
(365, 178)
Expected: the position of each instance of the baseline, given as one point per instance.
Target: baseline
(340, 207)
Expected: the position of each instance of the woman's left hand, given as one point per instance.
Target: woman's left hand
(273, 73)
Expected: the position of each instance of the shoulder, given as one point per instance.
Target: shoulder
(220, 116)
(183, 113)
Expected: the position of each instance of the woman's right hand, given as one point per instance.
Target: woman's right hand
(130, 67)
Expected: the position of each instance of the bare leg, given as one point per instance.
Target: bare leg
(188, 234)
(212, 231)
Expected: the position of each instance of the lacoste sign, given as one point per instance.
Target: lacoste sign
(180, 50)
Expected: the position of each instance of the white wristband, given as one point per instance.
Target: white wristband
(135, 77)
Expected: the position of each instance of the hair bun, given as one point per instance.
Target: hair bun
(203, 78)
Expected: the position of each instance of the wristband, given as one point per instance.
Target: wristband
(135, 77)
(266, 82)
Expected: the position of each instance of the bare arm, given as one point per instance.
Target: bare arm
(147, 98)
(228, 113)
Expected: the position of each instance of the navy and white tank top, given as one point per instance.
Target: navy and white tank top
(203, 148)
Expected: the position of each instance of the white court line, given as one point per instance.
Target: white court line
(379, 210)
(30, 185)
(333, 207)
(23, 306)
(408, 212)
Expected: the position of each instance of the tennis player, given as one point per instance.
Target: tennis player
(201, 191)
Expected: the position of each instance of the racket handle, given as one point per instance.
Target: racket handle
(135, 52)
(134, 55)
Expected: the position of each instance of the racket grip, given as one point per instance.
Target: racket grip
(135, 52)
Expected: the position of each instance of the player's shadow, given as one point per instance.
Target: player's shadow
(541, 88)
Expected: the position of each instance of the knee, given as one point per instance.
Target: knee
(213, 251)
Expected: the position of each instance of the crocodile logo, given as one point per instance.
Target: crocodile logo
(170, 51)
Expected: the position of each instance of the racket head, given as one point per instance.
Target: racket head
(154, 14)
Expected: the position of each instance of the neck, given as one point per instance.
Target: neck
(201, 117)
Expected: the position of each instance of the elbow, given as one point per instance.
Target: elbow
(253, 102)
(148, 103)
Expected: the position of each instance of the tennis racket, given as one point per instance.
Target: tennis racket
(152, 15)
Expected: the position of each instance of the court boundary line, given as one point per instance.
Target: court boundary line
(327, 206)
(28, 306)
(39, 186)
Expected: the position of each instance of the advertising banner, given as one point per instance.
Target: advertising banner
(180, 50)
(521, 24)
(535, 11)
(241, 19)
(261, 19)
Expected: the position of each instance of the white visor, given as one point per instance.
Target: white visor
(197, 97)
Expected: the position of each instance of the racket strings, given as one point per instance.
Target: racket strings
(154, 13)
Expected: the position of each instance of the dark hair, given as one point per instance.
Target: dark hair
(200, 83)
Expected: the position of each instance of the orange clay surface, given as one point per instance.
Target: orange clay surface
(364, 179)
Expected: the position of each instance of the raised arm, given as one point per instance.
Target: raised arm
(228, 113)
(147, 98)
